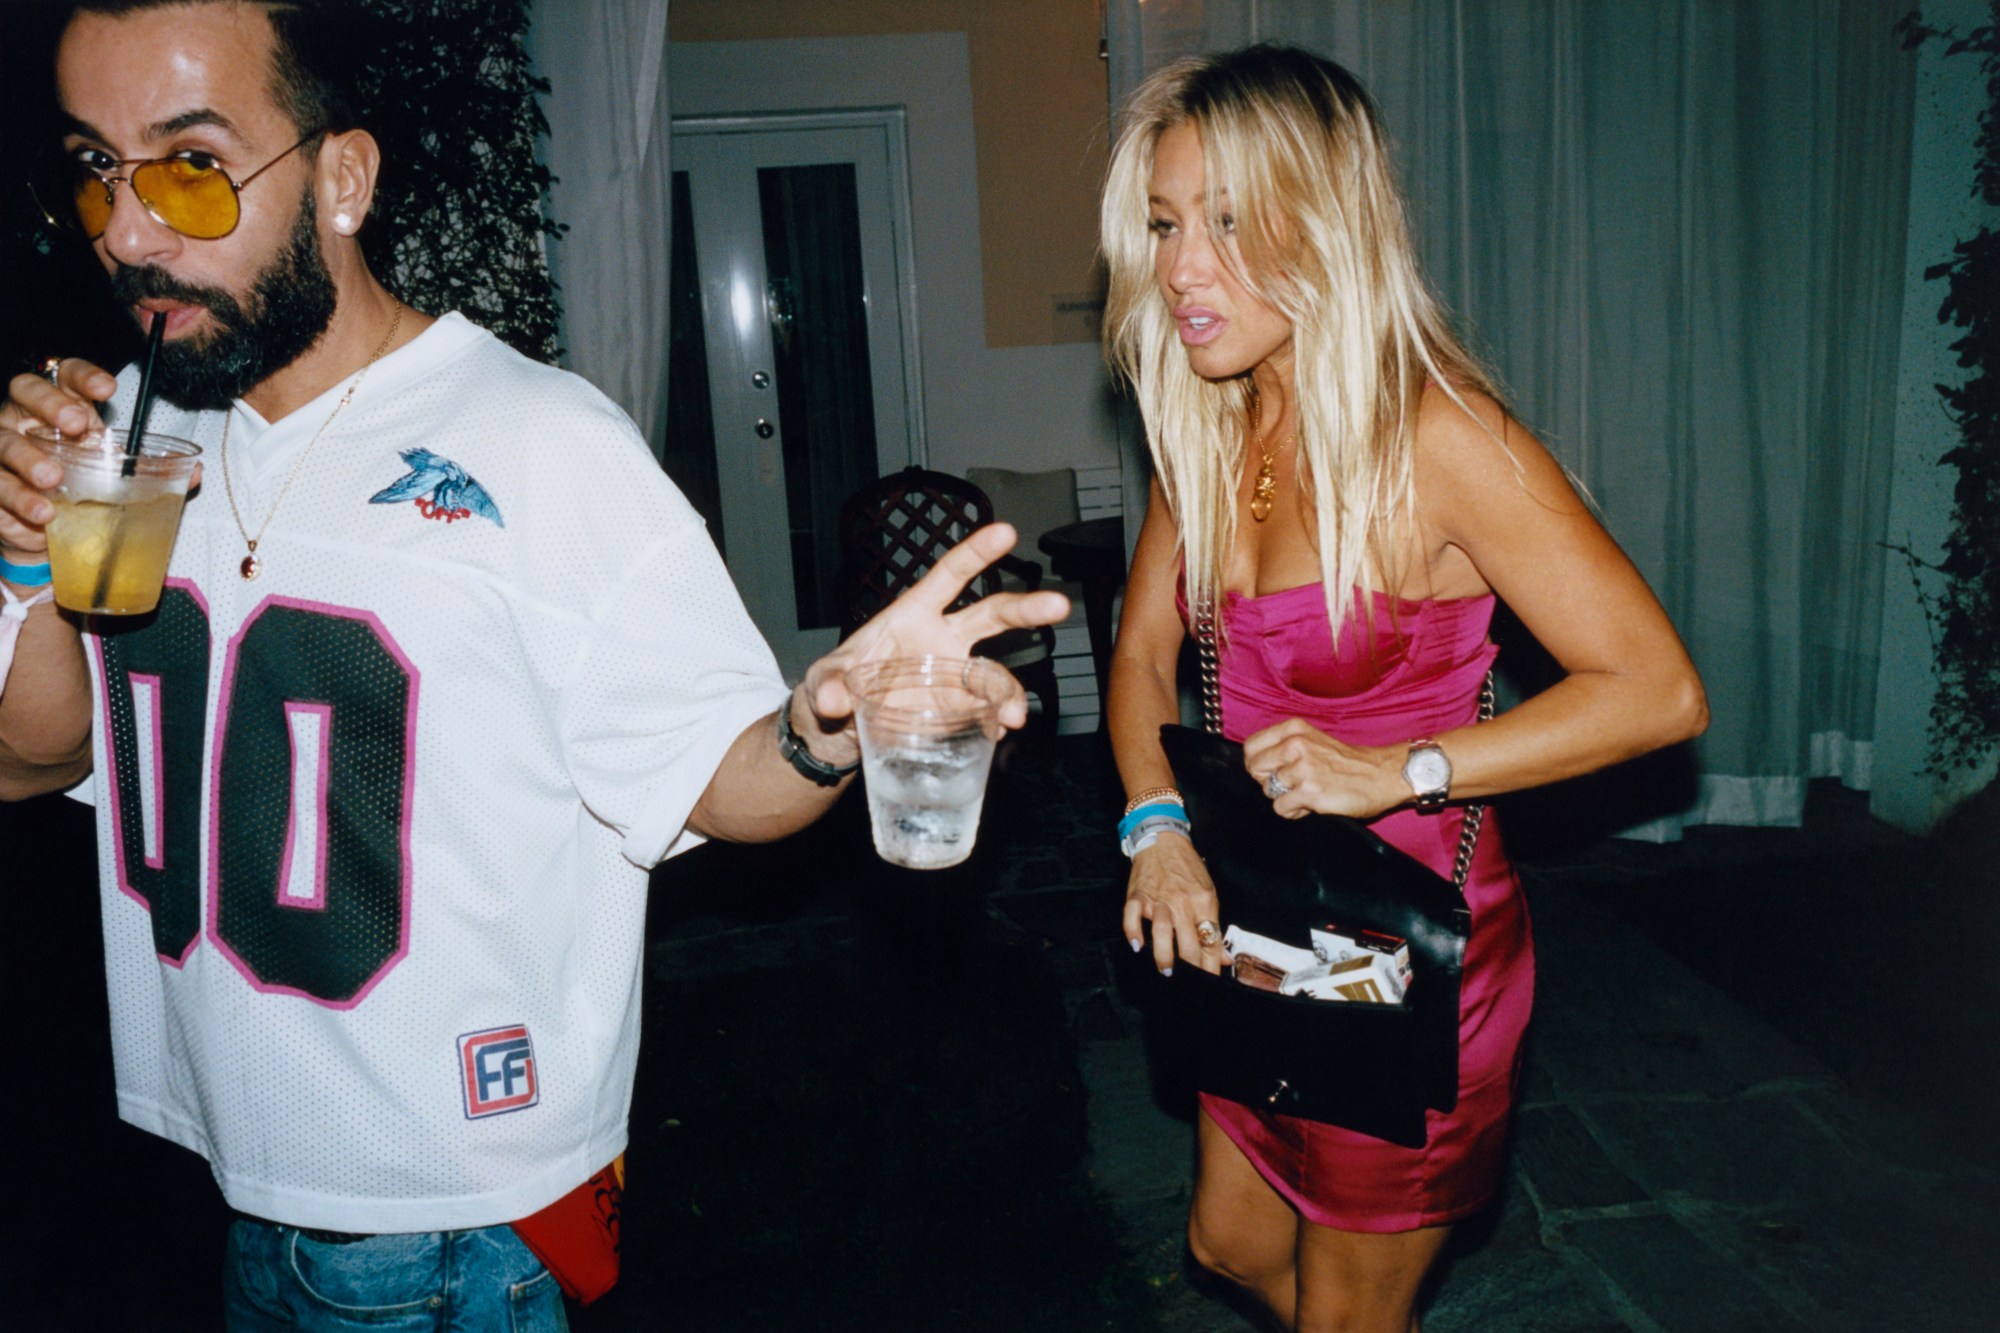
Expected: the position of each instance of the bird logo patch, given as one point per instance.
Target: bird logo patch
(440, 489)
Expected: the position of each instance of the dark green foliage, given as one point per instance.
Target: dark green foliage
(459, 221)
(1965, 718)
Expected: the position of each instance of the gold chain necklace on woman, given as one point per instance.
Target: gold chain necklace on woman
(1266, 485)
(252, 566)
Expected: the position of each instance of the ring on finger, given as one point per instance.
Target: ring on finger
(1208, 933)
(1275, 786)
(51, 369)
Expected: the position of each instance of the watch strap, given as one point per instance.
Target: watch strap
(807, 764)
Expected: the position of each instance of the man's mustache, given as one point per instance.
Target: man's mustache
(131, 285)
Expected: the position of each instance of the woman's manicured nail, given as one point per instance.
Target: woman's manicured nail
(1136, 946)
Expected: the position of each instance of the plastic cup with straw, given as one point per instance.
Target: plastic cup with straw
(118, 509)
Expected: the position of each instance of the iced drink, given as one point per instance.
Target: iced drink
(112, 533)
(928, 727)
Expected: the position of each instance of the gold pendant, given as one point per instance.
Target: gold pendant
(1260, 495)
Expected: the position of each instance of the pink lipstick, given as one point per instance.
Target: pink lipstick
(1198, 325)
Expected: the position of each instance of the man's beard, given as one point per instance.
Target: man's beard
(289, 306)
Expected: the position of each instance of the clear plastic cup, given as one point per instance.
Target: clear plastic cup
(113, 532)
(928, 726)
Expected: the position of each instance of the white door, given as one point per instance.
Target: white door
(797, 242)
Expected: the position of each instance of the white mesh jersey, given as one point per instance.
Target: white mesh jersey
(374, 827)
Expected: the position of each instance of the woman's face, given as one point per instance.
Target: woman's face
(1225, 329)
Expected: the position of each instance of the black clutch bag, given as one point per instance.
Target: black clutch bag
(1374, 1068)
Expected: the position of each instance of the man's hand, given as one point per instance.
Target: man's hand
(917, 625)
(27, 472)
(756, 797)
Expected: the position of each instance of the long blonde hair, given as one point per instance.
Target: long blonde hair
(1292, 140)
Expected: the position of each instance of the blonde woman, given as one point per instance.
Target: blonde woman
(1338, 478)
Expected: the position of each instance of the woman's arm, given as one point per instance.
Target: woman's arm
(1168, 886)
(1517, 527)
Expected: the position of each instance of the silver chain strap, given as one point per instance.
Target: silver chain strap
(1211, 712)
(1211, 671)
(1475, 815)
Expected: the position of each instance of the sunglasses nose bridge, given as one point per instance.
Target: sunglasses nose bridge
(95, 229)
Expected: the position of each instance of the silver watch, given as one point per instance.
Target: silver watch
(1428, 772)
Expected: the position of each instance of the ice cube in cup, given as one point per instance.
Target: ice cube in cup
(113, 533)
(928, 726)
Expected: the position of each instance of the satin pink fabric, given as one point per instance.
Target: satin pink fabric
(1403, 670)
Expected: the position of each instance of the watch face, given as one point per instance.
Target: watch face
(1427, 770)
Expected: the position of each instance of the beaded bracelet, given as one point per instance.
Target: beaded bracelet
(1151, 794)
(1131, 821)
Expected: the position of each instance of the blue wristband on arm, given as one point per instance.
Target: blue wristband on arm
(1131, 821)
(27, 576)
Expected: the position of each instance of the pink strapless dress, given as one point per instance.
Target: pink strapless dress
(1404, 670)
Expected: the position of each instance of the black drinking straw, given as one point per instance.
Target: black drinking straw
(141, 409)
(143, 406)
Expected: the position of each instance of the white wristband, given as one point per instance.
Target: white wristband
(1147, 831)
(13, 615)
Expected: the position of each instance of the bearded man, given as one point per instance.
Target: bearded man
(443, 665)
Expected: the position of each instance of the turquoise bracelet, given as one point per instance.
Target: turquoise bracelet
(28, 576)
(1131, 821)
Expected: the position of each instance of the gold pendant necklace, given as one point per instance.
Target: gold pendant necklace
(252, 565)
(1266, 485)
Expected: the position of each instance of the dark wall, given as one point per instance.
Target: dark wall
(53, 297)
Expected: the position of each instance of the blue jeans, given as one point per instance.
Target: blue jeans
(483, 1281)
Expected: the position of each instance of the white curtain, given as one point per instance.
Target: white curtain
(609, 131)
(1676, 229)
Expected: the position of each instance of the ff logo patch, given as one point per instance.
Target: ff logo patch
(499, 1069)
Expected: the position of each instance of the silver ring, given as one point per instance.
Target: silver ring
(1208, 933)
(1275, 786)
(51, 370)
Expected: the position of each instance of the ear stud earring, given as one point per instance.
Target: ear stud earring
(343, 223)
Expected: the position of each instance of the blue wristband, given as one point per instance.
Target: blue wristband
(28, 576)
(1131, 821)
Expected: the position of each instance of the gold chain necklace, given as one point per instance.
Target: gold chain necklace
(252, 566)
(1266, 485)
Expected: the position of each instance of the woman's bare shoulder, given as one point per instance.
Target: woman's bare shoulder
(1469, 450)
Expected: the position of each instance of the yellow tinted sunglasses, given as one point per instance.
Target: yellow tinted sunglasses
(187, 191)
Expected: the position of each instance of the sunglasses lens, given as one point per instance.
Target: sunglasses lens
(194, 201)
(93, 203)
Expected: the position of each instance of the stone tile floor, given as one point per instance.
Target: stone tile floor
(1710, 1135)
(873, 1099)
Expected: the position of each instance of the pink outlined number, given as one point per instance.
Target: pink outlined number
(332, 670)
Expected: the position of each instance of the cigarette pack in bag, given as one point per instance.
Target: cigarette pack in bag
(1371, 978)
(1268, 964)
(1337, 944)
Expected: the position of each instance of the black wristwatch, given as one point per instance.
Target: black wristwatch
(809, 765)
